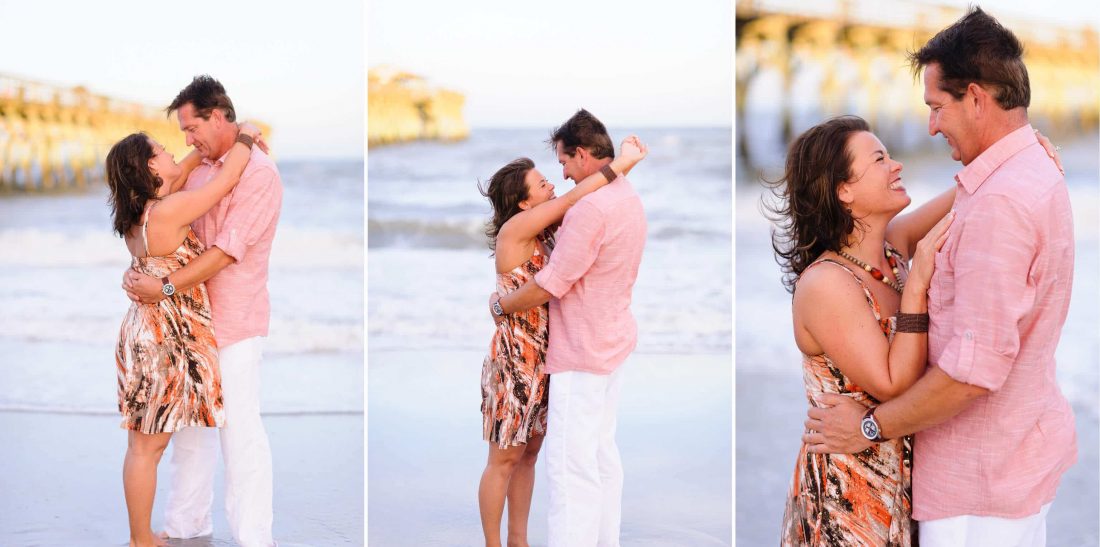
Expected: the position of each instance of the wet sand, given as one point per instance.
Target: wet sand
(771, 409)
(426, 454)
(61, 481)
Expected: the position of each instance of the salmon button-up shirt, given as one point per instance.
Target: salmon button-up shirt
(242, 225)
(591, 275)
(998, 300)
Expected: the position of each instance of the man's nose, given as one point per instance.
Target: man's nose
(190, 141)
(932, 129)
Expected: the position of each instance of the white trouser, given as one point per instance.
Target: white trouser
(582, 460)
(972, 531)
(246, 453)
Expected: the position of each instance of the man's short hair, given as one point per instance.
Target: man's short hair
(584, 130)
(977, 49)
(205, 94)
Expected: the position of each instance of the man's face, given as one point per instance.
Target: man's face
(572, 167)
(949, 117)
(202, 134)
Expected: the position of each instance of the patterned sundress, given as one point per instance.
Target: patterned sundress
(850, 499)
(514, 390)
(167, 359)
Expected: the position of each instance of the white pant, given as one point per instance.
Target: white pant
(582, 460)
(246, 453)
(972, 531)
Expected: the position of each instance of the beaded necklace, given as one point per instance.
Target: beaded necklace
(875, 272)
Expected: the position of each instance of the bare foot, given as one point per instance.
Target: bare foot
(153, 540)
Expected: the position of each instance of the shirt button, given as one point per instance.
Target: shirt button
(969, 335)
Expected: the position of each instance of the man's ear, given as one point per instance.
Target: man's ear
(978, 97)
(582, 155)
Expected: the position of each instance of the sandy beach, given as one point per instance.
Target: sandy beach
(62, 482)
(425, 459)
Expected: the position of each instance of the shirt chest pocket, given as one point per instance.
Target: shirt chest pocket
(941, 291)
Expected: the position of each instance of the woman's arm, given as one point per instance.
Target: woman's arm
(188, 164)
(528, 224)
(832, 310)
(181, 208)
(906, 230)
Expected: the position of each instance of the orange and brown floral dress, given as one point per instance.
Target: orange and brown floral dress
(859, 499)
(514, 390)
(167, 360)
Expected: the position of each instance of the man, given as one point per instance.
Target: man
(588, 282)
(993, 432)
(237, 234)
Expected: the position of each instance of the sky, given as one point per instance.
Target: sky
(532, 64)
(298, 69)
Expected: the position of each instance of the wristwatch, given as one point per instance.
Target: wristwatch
(869, 426)
(168, 289)
(497, 310)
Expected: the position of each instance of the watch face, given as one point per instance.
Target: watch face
(169, 289)
(870, 428)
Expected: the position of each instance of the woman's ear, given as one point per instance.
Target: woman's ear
(153, 166)
(845, 194)
(524, 205)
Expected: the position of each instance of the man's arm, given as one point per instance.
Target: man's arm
(528, 296)
(148, 290)
(934, 399)
(576, 250)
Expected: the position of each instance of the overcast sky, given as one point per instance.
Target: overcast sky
(534, 63)
(297, 66)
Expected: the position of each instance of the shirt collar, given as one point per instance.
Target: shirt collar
(973, 175)
(218, 162)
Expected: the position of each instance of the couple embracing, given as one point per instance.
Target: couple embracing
(189, 350)
(563, 331)
(928, 338)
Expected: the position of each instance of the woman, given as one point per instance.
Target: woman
(514, 390)
(860, 320)
(166, 356)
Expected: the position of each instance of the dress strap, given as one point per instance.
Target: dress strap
(144, 225)
(871, 300)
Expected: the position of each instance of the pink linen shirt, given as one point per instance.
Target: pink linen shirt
(242, 225)
(998, 300)
(591, 275)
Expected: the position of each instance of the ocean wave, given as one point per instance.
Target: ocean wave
(469, 233)
(293, 248)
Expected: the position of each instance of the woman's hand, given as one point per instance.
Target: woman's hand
(924, 260)
(246, 128)
(633, 150)
(1052, 150)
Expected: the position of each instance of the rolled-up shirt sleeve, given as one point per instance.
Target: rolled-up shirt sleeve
(254, 204)
(578, 244)
(992, 292)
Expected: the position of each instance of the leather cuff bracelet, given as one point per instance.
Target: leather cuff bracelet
(245, 140)
(912, 322)
(608, 173)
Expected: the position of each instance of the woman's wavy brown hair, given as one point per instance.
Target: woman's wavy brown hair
(808, 215)
(131, 181)
(507, 187)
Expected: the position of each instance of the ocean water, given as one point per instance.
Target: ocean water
(430, 272)
(60, 274)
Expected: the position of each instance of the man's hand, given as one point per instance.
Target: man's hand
(834, 428)
(142, 288)
(497, 319)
